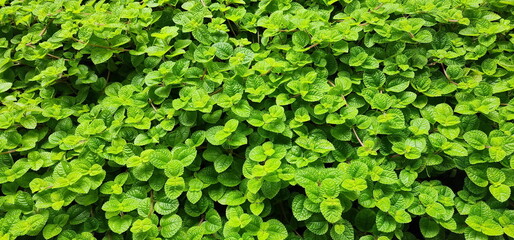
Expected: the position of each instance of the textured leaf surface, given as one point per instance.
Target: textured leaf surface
(269, 120)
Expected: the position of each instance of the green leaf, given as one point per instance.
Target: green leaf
(423, 36)
(490, 227)
(318, 226)
(408, 177)
(456, 149)
(385, 223)
(477, 176)
(242, 109)
(509, 230)
(274, 230)
(213, 222)
(29, 122)
(497, 153)
(419, 126)
(223, 50)
(4, 86)
(381, 101)
(476, 139)
(258, 154)
(141, 226)
(174, 187)
(51, 230)
(357, 56)
(331, 209)
(330, 188)
(186, 155)
(30, 226)
(443, 114)
(270, 189)
(160, 158)
(495, 176)
(397, 84)
(120, 224)
(365, 220)
(300, 39)
(195, 232)
(489, 66)
(501, 192)
(232, 198)
(222, 163)
(429, 228)
(401, 216)
(374, 79)
(170, 225)
(299, 211)
(157, 51)
(101, 55)
(323, 146)
(342, 231)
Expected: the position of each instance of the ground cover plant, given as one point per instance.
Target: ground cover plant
(245, 119)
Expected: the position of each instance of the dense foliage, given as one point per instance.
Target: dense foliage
(245, 119)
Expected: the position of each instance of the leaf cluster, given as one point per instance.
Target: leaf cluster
(246, 119)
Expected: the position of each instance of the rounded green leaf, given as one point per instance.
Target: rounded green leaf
(120, 224)
(331, 209)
